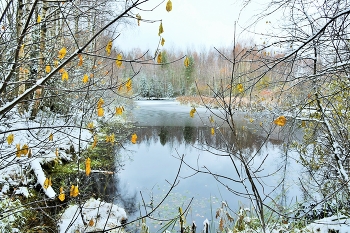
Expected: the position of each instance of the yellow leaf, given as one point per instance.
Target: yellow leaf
(169, 6)
(38, 20)
(162, 42)
(25, 149)
(138, 17)
(71, 190)
(61, 196)
(280, 121)
(18, 150)
(56, 152)
(50, 182)
(29, 153)
(55, 63)
(192, 112)
(119, 110)
(240, 87)
(85, 78)
(212, 131)
(75, 191)
(62, 53)
(65, 76)
(128, 85)
(10, 139)
(186, 62)
(91, 223)
(46, 183)
(133, 138)
(47, 68)
(100, 112)
(87, 166)
(159, 57)
(119, 60)
(51, 137)
(161, 30)
(109, 47)
(80, 63)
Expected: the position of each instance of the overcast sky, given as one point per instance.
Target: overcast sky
(192, 24)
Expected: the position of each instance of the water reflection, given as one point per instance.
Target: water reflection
(224, 139)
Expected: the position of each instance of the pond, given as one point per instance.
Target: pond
(166, 133)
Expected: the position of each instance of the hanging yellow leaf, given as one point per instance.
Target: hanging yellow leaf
(100, 112)
(94, 143)
(169, 6)
(51, 137)
(56, 152)
(62, 53)
(138, 17)
(159, 57)
(192, 112)
(119, 60)
(47, 68)
(55, 63)
(18, 150)
(10, 139)
(187, 62)
(240, 87)
(80, 63)
(303, 123)
(38, 20)
(65, 76)
(212, 131)
(119, 110)
(87, 166)
(61, 196)
(46, 183)
(71, 190)
(25, 149)
(75, 191)
(109, 48)
(162, 42)
(85, 78)
(161, 30)
(280, 121)
(91, 223)
(128, 85)
(133, 138)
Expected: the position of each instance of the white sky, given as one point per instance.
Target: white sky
(191, 24)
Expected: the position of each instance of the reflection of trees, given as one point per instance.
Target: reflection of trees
(188, 134)
(163, 135)
(247, 142)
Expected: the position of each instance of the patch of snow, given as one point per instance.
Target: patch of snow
(97, 215)
(22, 191)
(340, 223)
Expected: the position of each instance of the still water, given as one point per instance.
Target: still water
(166, 133)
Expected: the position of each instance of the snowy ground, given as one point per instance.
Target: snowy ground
(50, 139)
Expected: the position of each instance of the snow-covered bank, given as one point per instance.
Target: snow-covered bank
(94, 215)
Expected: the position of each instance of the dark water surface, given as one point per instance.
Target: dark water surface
(166, 132)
